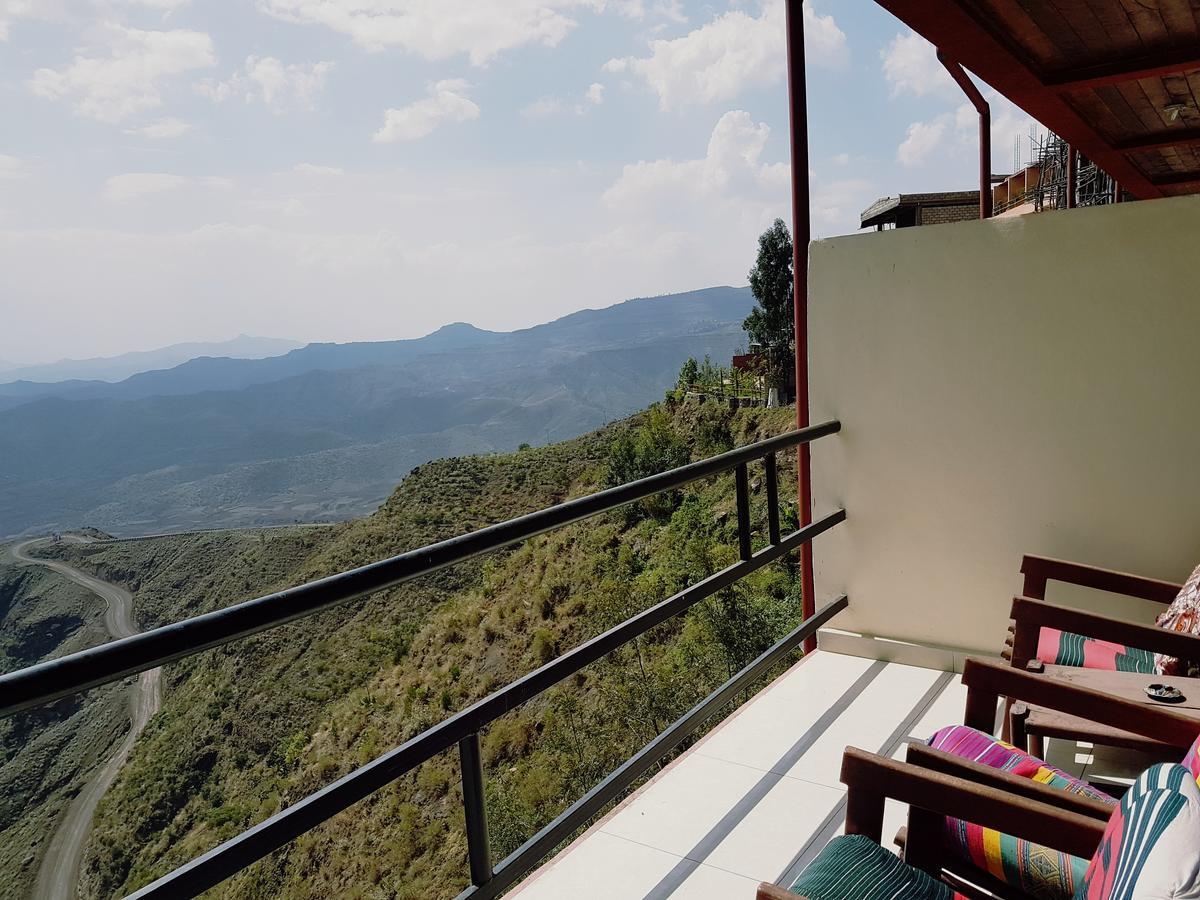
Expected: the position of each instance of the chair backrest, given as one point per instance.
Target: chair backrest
(1151, 846)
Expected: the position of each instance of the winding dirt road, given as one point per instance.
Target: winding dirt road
(59, 873)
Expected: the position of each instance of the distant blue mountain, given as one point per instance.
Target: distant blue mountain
(632, 321)
(329, 429)
(117, 368)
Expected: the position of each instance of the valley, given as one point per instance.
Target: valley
(247, 729)
(59, 870)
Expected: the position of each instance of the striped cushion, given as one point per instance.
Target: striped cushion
(1151, 847)
(854, 867)
(1031, 868)
(1191, 762)
(1062, 648)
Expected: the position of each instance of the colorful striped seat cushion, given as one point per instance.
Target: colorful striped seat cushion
(854, 867)
(1062, 648)
(1191, 762)
(1032, 868)
(1151, 846)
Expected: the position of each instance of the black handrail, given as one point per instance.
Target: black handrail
(57, 678)
(114, 660)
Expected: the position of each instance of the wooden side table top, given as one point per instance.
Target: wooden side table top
(1128, 685)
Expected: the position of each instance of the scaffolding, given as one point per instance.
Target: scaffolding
(1093, 187)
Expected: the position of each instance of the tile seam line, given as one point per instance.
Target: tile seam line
(827, 829)
(703, 848)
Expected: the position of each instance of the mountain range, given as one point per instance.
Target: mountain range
(325, 431)
(116, 368)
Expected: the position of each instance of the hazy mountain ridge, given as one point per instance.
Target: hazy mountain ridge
(333, 439)
(117, 368)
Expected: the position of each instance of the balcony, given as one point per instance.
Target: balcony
(759, 796)
(985, 389)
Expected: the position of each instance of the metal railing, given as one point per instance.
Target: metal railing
(67, 675)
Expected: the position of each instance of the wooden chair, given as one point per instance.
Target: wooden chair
(936, 784)
(1029, 617)
(932, 795)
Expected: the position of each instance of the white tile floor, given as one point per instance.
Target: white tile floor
(740, 806)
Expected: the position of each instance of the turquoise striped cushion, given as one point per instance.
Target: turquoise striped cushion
(1151, 847)
(854, 867)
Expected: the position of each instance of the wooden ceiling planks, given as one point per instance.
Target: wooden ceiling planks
(1008, 17)
(1148, 23)
(1180, 20)
(1094, 29)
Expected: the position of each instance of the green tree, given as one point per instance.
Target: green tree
(688, 374)
(770, 323)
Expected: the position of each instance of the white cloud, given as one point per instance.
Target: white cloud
(955, 135)
(545, 107)
(841, 159)
(135, 185)
(447, 102)
(162, 129)
(542, 108)
(277, 84)
(11, 168)
(311, 169)
(126, 72)
(921, 140)
(164, 5)
(12, 11)
(730, 167)
(835, 204)
(733, 52)
(441, 29)
(910, 66)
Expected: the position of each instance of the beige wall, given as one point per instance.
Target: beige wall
(1027, 384)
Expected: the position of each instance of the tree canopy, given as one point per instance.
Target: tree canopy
(770, 323)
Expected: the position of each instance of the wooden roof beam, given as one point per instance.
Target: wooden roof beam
(946, 24)
(1152, 65)
(1179, 137)
(1177, 179)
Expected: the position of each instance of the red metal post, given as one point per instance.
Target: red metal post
(801, 234)
(985, 131)
(1116, 191)
(1072, 176)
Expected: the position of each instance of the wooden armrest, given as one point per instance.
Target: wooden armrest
(988, 681)
(1040, 569)
(939, 761)
(870, 779)
(1030, 616)
(773, 892)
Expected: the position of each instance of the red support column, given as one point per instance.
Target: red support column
(801, 234)
(1072, 176)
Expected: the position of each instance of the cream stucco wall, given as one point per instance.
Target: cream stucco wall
(1028, 384)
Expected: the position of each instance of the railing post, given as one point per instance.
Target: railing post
(479, 849)
(772, 479)
(742, 480)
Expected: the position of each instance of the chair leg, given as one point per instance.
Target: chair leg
(1037, 746)
(1015, 720)
(923, 840)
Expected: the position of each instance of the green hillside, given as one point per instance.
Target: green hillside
(46, 753)
(248, 729)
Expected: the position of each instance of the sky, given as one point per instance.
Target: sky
(341, 170)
